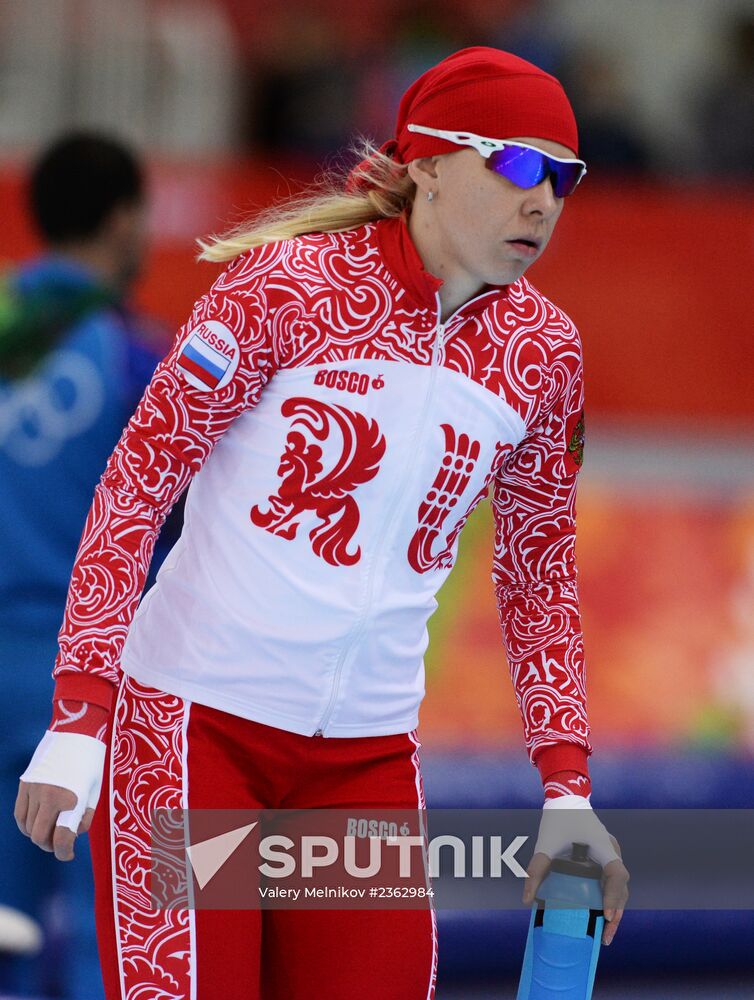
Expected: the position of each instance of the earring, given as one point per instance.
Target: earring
(430, 195)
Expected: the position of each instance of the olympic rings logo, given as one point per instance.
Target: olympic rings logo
(40, 414)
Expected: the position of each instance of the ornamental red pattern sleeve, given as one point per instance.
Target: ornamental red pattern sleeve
(168, 439)
(567, 783)
(534, 574)
(80, 717)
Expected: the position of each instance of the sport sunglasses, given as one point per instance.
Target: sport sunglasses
(525, 166)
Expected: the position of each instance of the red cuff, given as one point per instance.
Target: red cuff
(561, 757)
(75, 685)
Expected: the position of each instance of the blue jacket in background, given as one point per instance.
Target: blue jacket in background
(64, 400)
(58, 426)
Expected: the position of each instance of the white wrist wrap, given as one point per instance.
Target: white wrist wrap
(570, 819)
(70, 761)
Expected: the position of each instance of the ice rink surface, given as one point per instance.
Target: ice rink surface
(693, 989)
(738, 988)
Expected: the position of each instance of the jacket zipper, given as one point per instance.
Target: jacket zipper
(441, 327)
(398, 497)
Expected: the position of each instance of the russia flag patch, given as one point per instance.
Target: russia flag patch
(209, 356)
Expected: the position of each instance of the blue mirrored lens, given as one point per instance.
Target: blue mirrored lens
(527, 167)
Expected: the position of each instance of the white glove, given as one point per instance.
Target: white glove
(570, 819)
(72, 761)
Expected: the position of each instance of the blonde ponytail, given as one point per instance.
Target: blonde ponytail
(326, 207)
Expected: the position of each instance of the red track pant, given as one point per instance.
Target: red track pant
(171, 753)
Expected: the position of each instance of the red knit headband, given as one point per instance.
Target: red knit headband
(487, 91)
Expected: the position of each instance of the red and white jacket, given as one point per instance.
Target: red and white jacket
(336, 435)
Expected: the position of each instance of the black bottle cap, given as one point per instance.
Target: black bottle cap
(577, 863)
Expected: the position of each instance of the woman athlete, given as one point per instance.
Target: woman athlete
(369, 364)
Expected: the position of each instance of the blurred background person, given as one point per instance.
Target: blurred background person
(611, 141)
(74, 361)
(304, 85)
(726, 110)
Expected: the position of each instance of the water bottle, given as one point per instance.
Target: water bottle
(565, 931)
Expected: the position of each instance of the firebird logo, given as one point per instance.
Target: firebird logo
(307, 486)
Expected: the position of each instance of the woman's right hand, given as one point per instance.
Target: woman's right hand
(38, 807)
(58, 791)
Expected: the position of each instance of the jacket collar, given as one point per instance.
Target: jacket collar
(403, 261)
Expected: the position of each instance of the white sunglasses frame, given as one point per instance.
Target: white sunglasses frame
(486, 146)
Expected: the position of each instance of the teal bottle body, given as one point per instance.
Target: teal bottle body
(565, 930)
